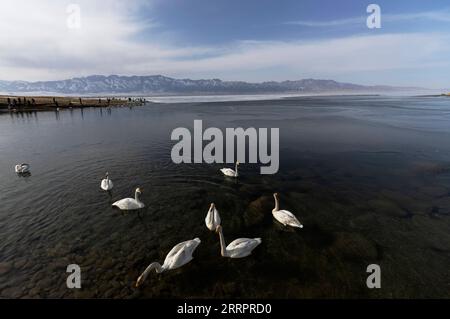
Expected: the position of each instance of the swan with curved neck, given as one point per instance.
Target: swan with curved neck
(106, 183)
(178, 256)
(130, 203)
(22, 168)
(238, 248)
(230, 172)
(283, 216)
(212, 219)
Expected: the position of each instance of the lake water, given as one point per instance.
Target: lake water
(368, 176)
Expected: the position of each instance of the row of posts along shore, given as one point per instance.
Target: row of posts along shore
(44, 103)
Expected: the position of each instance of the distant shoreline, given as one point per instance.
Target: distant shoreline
(18, 103)
(436, 95)
(35, 103)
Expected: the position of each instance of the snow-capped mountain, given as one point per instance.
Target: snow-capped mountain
(158, 84)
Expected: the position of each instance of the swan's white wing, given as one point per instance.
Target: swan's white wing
(242, 247)
(22, 168)
(176, 249)
(128, 204)
(181, 254)
(107, 184)
(217, 218)
(242, 243)
(287, 218)
(212, 219)
(209, 220)
(228, 171)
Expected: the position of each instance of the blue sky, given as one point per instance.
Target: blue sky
(216, 22)
(251, 40)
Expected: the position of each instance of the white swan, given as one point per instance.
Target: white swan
(130, 203)
(212, 219)
(283, 216)
(230, 172)
(238, 248)
(22, 168)
(106, 183)
(180, 255)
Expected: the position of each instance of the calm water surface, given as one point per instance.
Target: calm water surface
(369, 177)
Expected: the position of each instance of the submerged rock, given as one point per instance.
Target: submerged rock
(5, 267)
(34, 292)
(12, 292)
(256, 210)
(20, 263)
(354, 246)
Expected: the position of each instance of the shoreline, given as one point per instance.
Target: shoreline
(18, 103)
(39, 103)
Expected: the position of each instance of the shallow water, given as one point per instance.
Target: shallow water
(369, 177)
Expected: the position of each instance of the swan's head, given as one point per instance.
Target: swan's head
(212, 206)
(107, 174)
(237, 163)
(275, 195)
(139, 190)
(218, 229)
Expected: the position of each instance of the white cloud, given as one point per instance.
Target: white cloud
(35, 44)
(329, 23)
(435, 16)
(324, 58)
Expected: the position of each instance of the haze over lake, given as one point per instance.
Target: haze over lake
(368, 176)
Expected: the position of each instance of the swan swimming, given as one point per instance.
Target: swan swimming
(212, 219)
(180, 255)
(238, 248)
(22, 168)
(230, 172)
(130, 203)
(283, 216)
(106, 183)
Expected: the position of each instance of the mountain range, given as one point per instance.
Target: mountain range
(158, 84)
